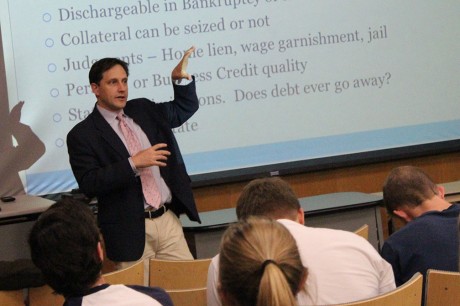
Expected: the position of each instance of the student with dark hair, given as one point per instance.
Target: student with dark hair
(429, 240)
(342, 267)
(65, 245)
(259, 265)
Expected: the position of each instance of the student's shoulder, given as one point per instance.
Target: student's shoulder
(157, 293)
(406, 234)
(323, 235)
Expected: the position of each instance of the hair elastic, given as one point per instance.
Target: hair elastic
(266, 262)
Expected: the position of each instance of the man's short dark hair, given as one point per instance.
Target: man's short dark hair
(270, 197)
(97, 70)
(407, 185)
(63, 244)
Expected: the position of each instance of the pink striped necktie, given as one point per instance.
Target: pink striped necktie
(149, 187)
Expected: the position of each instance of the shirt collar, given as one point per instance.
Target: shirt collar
(108, 115)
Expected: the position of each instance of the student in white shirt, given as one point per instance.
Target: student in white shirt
(342, 267)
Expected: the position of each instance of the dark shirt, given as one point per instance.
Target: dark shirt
(122, 295)
(427, 242)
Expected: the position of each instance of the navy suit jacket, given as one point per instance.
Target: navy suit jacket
(99, 161)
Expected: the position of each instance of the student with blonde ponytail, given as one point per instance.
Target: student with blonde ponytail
(342, 267)
(259, 265)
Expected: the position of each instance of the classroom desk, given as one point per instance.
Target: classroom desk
(452, 191)
(343, 210)
(16, 220)
(25, 208)
(204, 239)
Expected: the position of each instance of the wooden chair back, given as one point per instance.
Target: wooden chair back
(12, 297)
(408, 294)
(133, 275)
(179, 274)
(363, 231)
(188, 297)
(442, 288)
(44, 296)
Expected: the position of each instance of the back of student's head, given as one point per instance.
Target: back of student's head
(409, 186)
(269, 197)
(259, 264)
(64, 243)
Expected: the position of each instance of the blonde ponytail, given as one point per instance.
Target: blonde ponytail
(260, 264)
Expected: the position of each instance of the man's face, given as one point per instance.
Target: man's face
(112, 91)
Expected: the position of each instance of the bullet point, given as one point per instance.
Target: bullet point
(54, 92)
(57, 117)
(46, 17)
(52, 67)
(49, 42)
(59, 142)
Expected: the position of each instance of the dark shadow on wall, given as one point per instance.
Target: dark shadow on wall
(16, 158)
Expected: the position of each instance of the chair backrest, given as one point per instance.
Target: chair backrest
(12, 298)
(188, 297)
(442, 288)
(132, 275)
(44, 296)
(408, 294)
(179, 274)
(363, 231)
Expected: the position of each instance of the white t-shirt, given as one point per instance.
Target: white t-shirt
(342, 267)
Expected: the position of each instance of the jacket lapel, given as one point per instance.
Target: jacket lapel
(108, 134)
(145, 122)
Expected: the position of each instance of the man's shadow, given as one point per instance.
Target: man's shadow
(15, 158)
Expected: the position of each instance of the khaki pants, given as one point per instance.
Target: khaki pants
(164, 239)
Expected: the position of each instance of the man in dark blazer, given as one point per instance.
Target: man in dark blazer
(104, 168)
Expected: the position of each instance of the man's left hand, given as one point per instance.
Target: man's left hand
(179, 72)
